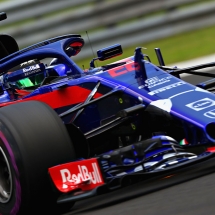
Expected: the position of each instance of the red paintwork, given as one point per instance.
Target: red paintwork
(211, 149)
(84, 175)
(61, 97)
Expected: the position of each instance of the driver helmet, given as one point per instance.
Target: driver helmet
(23, 78)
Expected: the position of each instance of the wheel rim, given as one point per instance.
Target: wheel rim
(5, 178)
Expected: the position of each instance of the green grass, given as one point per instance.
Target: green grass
(176, 48)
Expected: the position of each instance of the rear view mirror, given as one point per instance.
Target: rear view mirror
(109, 52)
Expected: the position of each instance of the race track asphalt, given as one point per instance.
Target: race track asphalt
(194, 197)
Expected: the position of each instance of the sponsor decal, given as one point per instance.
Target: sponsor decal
(210, 114)
(84, 174)
(30, 68)
(168, 87)
(155, 81)
(201, 104)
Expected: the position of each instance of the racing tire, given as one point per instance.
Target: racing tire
(32, 139)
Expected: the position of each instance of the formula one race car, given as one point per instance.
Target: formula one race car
(68, 134)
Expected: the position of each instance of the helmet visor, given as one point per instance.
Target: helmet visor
(30, 82)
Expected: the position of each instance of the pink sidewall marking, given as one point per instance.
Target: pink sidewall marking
(17, 204)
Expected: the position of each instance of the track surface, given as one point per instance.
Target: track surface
(194, 197)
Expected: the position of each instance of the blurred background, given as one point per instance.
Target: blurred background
(183, 29)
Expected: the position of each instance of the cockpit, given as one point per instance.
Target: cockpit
(41, 63)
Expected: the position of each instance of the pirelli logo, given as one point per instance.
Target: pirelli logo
(168, 87)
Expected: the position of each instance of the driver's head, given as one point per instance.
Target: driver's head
(29, 76)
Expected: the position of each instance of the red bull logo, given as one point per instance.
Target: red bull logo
(84, 174)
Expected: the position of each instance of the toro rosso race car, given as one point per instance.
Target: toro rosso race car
(68, 134)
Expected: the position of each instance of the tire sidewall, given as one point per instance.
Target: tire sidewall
(7, 143)
(33, 138)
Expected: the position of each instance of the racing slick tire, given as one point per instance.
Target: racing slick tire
(32, 139)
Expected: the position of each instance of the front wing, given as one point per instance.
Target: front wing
(85, 178)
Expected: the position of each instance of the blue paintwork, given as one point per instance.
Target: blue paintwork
(147, 82)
